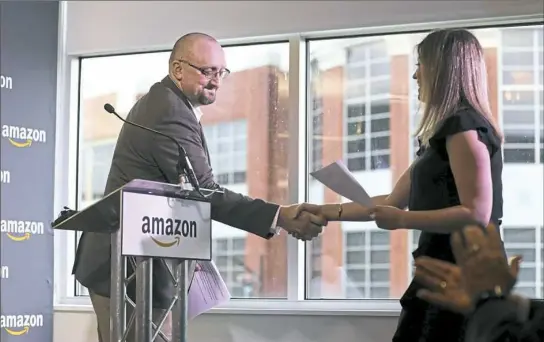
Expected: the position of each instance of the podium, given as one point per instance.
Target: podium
(149, 220)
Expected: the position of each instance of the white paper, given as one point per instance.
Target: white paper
(339, 179)
(207, 290)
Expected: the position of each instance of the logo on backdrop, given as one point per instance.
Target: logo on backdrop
(23, 136)
(18, 230)
(5, 177)
(17, 325)
(4, 272)
(172, 230)
(6, 82)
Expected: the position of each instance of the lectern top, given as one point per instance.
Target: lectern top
(165, 190)
(103, 215)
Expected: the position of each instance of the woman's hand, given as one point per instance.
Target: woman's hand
(388, 217)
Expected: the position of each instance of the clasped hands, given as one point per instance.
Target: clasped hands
(305, 221)
(301, 222)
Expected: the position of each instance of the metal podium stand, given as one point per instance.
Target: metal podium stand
(121, 214)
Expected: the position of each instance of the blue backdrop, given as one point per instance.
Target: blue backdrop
(28, 67)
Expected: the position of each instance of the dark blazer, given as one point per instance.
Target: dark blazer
(499, 321)
(143, 155)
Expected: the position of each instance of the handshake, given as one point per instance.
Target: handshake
(303, 221)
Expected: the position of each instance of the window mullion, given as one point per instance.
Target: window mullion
(298, 138)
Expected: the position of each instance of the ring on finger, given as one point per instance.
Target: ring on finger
(474, 249)
(443, 285)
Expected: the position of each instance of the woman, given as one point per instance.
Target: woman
(454, 181)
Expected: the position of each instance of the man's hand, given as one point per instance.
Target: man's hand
(481, 256)
(445, 285)
(481, 266)
(301, 224)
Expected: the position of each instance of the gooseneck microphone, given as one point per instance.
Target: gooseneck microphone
(184, 166)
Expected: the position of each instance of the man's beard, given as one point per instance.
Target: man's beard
(206, 100)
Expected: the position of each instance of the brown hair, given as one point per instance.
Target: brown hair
(454, 74)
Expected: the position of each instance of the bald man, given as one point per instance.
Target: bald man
(172, 106)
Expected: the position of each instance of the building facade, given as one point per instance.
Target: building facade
(362, 109)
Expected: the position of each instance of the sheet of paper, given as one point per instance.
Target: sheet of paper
(339, 179)
(207, 290)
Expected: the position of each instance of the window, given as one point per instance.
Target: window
(229, 255)
(316, 129)
(522, 94)
(380, 112)
(227, 143)
(367, 264)
(250, 107)
(367, 119)
(95, 165)
(362, 108)
(523, 241)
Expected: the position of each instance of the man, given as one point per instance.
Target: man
(479, 286)
(172, 106)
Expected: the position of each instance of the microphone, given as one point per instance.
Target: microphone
(184, 164)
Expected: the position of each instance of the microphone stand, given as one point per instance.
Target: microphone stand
(183, 271)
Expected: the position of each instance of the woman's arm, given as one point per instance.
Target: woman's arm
(471, 167)
(355, 212)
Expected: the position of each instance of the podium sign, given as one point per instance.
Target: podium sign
(149, 221)
(165, 227)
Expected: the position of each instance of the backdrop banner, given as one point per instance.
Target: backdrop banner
(28, 87)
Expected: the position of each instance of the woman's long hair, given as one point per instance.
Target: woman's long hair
(453, 75)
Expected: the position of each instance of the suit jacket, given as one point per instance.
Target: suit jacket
(501, 321)
(140, 154)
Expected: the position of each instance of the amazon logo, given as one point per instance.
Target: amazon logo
(18, 325)
(167, 232)
(19, 231)
(23, 136)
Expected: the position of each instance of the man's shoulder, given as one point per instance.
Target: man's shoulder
(160, 96)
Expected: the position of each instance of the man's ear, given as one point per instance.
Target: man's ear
(176, 70)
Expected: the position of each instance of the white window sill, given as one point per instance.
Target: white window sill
(387, 308)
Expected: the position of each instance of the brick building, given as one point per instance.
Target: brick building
(362, 108)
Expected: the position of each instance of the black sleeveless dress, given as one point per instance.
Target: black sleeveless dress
(433, 187)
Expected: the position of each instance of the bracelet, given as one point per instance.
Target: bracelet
(340, 209)
(486, 296)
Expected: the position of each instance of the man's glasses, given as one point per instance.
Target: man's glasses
(209, 73)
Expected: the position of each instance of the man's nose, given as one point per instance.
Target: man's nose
(216, 80)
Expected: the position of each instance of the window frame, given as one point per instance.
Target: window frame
(298, 126)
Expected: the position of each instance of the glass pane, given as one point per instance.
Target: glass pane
(518, 98)
(251, 266)
(519, 155)
(528, 255)
(518, 77)
(519, 235)
(519, 137)
(524, 58)
(518, 37)
(373, 134)
(519, 117)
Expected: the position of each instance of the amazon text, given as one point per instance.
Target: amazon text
(169, 227)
